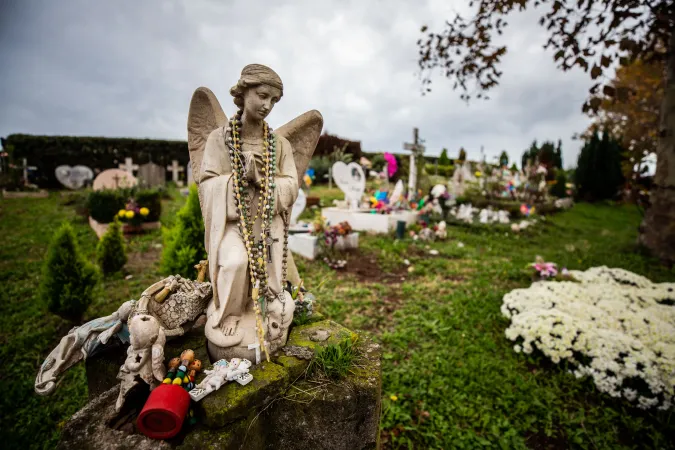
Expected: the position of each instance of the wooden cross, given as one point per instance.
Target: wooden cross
(129, 166)
(416, 149)
(174, 168)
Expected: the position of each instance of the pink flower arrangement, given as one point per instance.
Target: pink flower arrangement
(392, 165)
(545, 269)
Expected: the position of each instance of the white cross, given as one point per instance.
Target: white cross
(174, 168)
(129, 166)
(255, 346)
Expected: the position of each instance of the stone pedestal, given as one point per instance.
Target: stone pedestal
(279, 409)
(307, 245)
(368, 221)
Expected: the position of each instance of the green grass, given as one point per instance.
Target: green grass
(456, 379)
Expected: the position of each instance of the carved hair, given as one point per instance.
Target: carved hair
(251, 76)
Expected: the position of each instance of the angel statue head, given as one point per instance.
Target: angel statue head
(259, 88)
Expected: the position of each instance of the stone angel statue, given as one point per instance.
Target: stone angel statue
(248, 177)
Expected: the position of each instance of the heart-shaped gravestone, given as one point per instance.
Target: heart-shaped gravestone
(351, 179)
(74, 177)
(298, 206)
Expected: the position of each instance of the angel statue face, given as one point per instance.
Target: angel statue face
(259, 101)
(257, 91)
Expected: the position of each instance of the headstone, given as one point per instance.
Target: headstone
(114, 179)
(74, 177)
(417, 149)
(152, 174)
(351, 180)
(175, 169)
(129, 166)
(298, 206)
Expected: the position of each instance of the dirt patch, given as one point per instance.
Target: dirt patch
(367, 270)
(537, 441)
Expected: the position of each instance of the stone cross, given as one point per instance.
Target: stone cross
(416, 149)
(26, 168)
(129, 166)
(175, 169)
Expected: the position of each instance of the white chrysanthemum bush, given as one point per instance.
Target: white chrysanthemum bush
(612, 325)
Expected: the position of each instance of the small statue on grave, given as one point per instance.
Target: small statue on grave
(248, 178)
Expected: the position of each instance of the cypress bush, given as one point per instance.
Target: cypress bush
(598, 175)
(558, 189)
(184, 242)
(111, 254)
(68, 279)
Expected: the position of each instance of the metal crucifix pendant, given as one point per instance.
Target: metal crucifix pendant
(269, 241)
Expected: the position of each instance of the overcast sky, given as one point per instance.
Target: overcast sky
(128, 69)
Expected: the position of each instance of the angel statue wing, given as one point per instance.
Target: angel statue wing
(303, 133)
(205, 115)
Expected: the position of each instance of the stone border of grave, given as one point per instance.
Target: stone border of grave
(307, 245)
(365, 220)
(101, 228)
(25, 194)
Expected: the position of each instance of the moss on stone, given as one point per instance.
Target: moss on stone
(300, 335)
(245, 433)
(294, 366)
(233, 401)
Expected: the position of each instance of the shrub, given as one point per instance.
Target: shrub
(110, 252)
(68, 279)
(558, 189)
(184, 242)
(104, 205)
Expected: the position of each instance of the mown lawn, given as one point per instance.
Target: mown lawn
(451, 378)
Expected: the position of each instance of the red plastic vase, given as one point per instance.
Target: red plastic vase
(163, 414)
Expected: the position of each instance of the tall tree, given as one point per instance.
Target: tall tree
(443, 160)
(591, 35)
(558, 155)
(635, 119)
(462, 155)
(504, 159)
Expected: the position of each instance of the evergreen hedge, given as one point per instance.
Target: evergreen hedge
(111, 254)
(598, 175)
(68, 279)
(49, 152)
(104, 205)
(184, 242)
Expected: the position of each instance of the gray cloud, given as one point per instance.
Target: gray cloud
(129, 68)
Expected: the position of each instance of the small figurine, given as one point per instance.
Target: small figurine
(222, 372)
(145, 356)
(186, 359)
(194, 367)
(173, 368)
